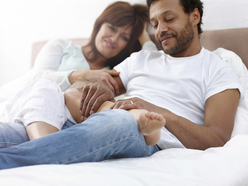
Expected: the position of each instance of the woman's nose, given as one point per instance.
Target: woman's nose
(115, 37)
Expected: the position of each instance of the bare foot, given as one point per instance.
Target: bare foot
(150, 122)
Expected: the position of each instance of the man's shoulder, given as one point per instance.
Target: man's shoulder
(140, 58)
(212, 57)
(214, 64)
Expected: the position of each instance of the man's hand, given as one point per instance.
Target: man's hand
(136, 103)
(93, 96)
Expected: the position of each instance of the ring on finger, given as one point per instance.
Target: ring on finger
(131, 102)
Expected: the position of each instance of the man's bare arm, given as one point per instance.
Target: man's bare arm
(220, 111)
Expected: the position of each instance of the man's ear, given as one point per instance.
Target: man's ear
(195, 16)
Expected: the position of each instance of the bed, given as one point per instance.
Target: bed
(222, 166)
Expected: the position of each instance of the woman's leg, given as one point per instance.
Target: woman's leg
(12, 134)
(39, 129)
(150, 123)
(105, 135)
(40, 107)
(72, 102)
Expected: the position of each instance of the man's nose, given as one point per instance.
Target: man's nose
(161, 30)
(162, 27)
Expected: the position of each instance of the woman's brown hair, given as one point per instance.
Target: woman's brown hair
(120, 14)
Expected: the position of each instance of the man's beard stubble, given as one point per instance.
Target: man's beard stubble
(183, 40)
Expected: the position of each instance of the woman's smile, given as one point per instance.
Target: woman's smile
(109, 44)
(111, 40)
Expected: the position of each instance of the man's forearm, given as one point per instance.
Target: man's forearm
(219, 116)
(194, 136)
(190, 134)
(217, 129)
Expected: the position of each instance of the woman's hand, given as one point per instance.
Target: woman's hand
(105, 76)
(144, 37)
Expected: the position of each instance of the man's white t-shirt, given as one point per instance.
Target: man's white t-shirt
(181, 85)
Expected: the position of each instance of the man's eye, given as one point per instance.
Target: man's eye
(155, 26)
(169, 20)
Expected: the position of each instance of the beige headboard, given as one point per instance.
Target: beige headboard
(235, 40)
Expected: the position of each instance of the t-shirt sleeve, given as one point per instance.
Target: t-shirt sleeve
(223, 78)
(125, 68)
(50, 55)
(59, 77)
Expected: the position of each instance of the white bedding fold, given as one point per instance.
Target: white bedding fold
(223, 166)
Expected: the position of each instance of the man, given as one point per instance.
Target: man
(193, 89)
(204, 116)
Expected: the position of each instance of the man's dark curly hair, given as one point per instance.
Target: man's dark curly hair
(189, 6)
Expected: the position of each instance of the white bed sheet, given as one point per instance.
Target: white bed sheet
(223, 166)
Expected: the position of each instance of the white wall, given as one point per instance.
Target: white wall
(222, 14)
(23, 22)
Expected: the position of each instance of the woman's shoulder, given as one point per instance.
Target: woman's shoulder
(55, 45)
(58, 41)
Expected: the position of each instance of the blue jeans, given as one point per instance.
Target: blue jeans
(106, 135)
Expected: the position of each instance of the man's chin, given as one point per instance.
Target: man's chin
(167, 50)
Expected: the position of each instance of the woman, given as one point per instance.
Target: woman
(118, 31)
(43, 109)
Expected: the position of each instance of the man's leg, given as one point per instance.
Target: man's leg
(106, 135)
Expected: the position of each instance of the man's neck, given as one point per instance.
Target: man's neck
(194, 49)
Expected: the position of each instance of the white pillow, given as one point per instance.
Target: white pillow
(241, 119)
